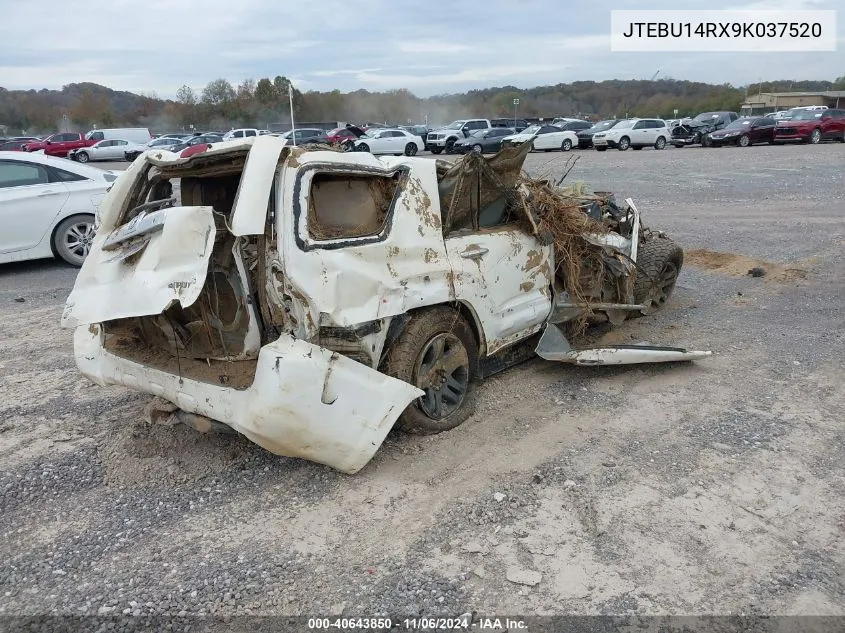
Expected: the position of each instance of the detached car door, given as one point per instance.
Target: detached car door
(28, 204)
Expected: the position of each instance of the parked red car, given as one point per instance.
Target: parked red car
(812, 126)
(60, 144)
(344, 134)
(745, 132)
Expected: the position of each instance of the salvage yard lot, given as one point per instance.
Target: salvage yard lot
(712, 487)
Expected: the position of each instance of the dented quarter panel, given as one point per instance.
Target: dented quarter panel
(363, 282)
(170, 268)
(305, 401)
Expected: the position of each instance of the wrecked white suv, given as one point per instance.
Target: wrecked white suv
(310, 299)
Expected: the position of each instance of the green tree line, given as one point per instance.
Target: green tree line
(266, 102)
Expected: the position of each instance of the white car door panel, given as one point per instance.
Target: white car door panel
(27, 211)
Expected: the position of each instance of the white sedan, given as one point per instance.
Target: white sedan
(113, 149)
(545, 137)
(395, 142)
(48, 207)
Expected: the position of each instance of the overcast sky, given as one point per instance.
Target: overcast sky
(427, 46)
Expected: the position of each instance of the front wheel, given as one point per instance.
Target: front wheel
(706, 142)
(744, 140)
(624, 143)
(82, 157)
(450, 145)
(363, 147)
(411, 149)
(436, 352)
(601, 149)
(73, 237)
(816, 136)
(477, 149)
(658, 265)
(660, 143)
(436, 150)
(566, 145)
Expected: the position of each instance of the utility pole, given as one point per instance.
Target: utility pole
(515, 107)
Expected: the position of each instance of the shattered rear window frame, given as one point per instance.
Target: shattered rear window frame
(309, 244)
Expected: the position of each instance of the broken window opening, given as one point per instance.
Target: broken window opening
(350, 205)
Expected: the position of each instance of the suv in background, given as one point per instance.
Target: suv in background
(240, 133)
(517, 125)
(445, 137)
(811, 126)
(636, 133)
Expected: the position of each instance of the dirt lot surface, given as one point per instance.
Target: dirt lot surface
(714, 487)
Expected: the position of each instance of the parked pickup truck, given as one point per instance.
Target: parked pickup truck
(60, 144)
(311, 299)
(446, 137)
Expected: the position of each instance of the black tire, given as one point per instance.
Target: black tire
(706, 142)
(436, 150)
(744, 141)
(601, 149)
(815, 137)
(450, 145)
(362, 147)
(623, 144)
(411, 149)
(431, 337)
(660, 143)
(659, 263)
(566, 145)
(82, 157)
(72, 239)
(478, 149)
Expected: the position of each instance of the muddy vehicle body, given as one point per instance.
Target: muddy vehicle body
(310, 299)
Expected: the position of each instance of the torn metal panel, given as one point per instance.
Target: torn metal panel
(170, 268)
(554, 346)
(249, 214)
(305, 401)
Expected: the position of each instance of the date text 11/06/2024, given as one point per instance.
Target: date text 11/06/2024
(461, 623)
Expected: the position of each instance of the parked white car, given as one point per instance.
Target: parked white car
(636, 133)
(240, 133)
(105, 150)
(396, 142)
(48, 207)
(545, 137)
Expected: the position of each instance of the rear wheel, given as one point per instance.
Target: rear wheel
(658, 265)
(83, 157)
(566, 145)
(601, 149)
(411, 149)
(624, 143)
(73, 237)
(436, 352)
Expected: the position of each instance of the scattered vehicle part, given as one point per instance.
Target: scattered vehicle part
(311, 300)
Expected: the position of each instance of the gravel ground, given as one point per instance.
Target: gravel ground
(714, 487)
